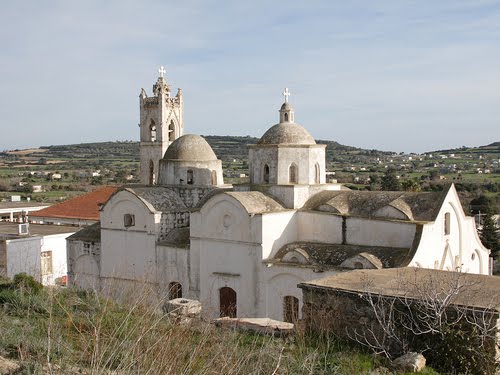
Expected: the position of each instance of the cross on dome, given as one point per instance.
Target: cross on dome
(162, 71)
(286, 94)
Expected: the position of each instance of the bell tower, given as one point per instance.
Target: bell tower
(161, 123)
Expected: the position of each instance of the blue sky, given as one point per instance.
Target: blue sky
(398, 75)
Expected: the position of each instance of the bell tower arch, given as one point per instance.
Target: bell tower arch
(161, 123)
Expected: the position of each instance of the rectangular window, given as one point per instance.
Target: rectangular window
(46, 258)
(128, 220)
(447, 223)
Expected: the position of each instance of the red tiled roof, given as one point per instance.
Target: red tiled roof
(82, 207)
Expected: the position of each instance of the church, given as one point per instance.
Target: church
(242, 250)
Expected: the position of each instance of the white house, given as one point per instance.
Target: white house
(38, 250)
(242, 250)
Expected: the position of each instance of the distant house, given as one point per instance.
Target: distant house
(82, 210)
(13, 211)
(38, 250)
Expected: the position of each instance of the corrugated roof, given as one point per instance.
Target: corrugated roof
(85, 207)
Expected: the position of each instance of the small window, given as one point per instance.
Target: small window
(46, 262)
(190, 179)
(266, 173)
(358, 265)
(447, 223)
(152, 131)
(151, 172)
(317, 174)
(171, 132)
(128, 220)
(214, 177)
(286, 116)
(292, 174)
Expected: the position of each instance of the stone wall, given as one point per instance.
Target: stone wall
(348, 315)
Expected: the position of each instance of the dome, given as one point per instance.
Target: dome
(190, 147)
(286, 107)
(287, 133)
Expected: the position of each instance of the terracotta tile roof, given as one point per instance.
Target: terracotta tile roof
(82, 207)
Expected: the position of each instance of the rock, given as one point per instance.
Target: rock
(183, 307)
(8, 366)
(380, 371)
(411, 361)
(262, 326)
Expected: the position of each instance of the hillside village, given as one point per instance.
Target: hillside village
(50, 173)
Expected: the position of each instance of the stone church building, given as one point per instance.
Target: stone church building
(242, 250)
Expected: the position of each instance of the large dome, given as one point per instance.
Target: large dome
(190, 147)
(287, 133)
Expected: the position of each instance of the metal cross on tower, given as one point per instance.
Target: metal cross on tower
(162, 71)
(286, 94)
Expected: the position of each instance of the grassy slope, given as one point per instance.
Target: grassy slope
(77, 332)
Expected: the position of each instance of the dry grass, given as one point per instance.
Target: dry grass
(66, 331)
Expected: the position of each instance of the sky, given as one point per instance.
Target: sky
(409, 76)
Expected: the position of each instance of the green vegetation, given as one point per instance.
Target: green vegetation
(58, 330)
(475, 171)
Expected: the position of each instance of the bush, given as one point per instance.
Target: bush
(25, 282)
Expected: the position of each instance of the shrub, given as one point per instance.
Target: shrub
(25, 282)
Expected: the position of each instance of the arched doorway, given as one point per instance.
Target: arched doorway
(174, 290)
(290, 309)
(227, 302)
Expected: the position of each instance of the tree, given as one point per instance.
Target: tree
(411, 185)
(489, 236)
(389, 181)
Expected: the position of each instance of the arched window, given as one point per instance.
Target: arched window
(152, 131)
(292, 174)
(290, 309)
(447, 223)
(174, 290)
(286, 116)
(151, 172)
(227, 302)
(317, 172)
(171, 132)
(189, 178)
(214, 178)
(266, 174)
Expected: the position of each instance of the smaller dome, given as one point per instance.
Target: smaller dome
(287, 133)
(190, 147)
(286, 107)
